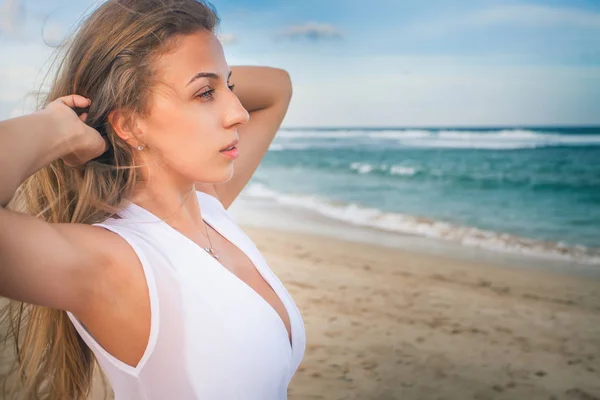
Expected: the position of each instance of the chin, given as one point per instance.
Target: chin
(229, 174)
(223, 176)
(211, 173)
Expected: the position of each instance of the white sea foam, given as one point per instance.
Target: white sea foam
(306, 134)
(276, 147)
(365, 168)
(400, 134)
(507, 139)
(402, 170)
(294, 146)
(502, 139)
(408, 224)
(362, 168)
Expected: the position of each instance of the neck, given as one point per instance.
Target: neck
(172, 201)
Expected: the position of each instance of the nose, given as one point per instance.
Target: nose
(237, 114)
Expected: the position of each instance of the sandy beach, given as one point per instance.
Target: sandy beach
(389, 324)
(385, 323)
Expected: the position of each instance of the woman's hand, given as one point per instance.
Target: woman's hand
(82, 142)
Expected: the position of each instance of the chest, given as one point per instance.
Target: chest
(236, 262)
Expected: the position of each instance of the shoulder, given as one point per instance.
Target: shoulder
(124, 295)
(122, 266)
(114, 267)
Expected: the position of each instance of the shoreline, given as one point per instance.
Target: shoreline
(261, 213)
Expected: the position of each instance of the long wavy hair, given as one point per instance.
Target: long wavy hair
(109, 59)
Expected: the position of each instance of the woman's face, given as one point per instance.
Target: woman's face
(192, 117)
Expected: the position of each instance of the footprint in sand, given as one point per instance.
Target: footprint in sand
(576, 393)
(369, 365)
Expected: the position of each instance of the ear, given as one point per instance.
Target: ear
(123, 127)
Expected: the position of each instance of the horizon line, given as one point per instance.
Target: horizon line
(388, 127)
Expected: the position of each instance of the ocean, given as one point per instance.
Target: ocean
(533, 191)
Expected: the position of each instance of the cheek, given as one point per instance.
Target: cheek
(185, 142)
(188, 142)
(175, 129)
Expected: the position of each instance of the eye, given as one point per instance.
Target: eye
(209, 94)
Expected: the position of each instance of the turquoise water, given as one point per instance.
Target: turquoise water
(522, 190)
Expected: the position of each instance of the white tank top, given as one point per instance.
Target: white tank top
(212, 336)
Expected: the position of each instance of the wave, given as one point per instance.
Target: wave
(501, 139)
(309, 133)
(413, 225)
(295, 146)
(365, 168)
(401, 170)
(582, 180)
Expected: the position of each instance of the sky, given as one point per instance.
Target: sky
(381, 63)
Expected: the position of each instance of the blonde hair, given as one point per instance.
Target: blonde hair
(109, 60)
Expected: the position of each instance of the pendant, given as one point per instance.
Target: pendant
(210, 251)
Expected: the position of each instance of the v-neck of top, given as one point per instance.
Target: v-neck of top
(133, 211)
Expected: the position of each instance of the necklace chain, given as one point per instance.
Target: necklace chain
(210, 250)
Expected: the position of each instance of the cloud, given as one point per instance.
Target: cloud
(12, 15)
(17, 81)
(535, 15)
(228, 38)
(18, 89)
(312, 31)
(22, 75)
(508, 16)
(53, 33)
(442, 91)
(22, 107)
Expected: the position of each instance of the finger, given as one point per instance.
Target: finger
(75, 100)
(83, 117)
(96, 135)
(106, 143)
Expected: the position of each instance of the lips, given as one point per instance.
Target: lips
(230, 146)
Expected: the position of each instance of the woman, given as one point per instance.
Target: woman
(134, 260)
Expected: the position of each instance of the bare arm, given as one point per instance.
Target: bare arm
(266, 93)
(42, 263)
(27, 145)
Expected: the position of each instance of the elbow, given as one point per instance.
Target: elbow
(286, 85)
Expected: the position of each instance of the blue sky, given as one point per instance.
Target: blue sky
(377, 63)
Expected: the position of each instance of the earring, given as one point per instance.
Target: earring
(140, 147)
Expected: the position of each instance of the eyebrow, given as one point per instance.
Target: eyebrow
(207, 75)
